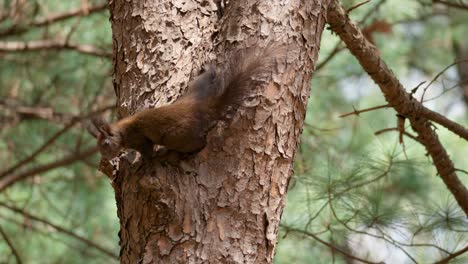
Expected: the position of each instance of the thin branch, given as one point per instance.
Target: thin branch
(379, 132)
(47, 235)
(11, 246)
(451, 4)
(383, 237)
(290, 229)
(464, 171)
(456, 128)
(373, 10)
(357, 112)
(357, 6)
(403, 102)
(330, 56)
(60, 229)
(438, 75)
(52, 18)
(25, 112)
(19, 46)
(452, 256)
(10, 179)
(70, 14)
(52, 140)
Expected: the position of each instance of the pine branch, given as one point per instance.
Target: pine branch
(403, 102)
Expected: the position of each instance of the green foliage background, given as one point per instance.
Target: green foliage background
(336, 157)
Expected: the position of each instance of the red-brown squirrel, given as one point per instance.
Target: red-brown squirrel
(183, 125)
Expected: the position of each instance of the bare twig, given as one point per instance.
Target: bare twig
(464, 171)
(373, 10)
(357, 112)
(330, 56)
(11, 246)
(445, 122)
(10, 179)
(60, 229)
(70, 14)
(19, 46)
(24, 111)
(52, 140)
(357, 6)
(17, 29)
(396, 129)
(438, 75)
(403, 102)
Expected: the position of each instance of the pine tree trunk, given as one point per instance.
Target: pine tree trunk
(224, 204)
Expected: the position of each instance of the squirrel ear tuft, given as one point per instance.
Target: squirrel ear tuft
(101, 127)
(105, 129)
(92, 129)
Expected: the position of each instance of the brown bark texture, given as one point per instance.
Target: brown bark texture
(403, 102)
(222, 205)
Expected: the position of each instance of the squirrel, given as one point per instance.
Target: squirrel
(183, 125)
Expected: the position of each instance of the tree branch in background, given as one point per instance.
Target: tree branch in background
(452, 256)
(338, 48)
(24, 112)
(10, 179)
(51, 140)
(357, 6)
(403, 102)
(451, 4)
(398, 130)
(60, 229)
(445, 122)
(358, 112)
(19, 46)
(52, 18)
(10, 245)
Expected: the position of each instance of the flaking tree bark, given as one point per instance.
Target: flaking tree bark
(222, 205)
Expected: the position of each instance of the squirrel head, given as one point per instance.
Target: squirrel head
(109, 141)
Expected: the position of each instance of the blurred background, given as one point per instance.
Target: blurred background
(356, 192)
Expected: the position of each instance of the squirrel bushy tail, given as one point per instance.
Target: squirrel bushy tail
(224, 89)
(243, 71)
